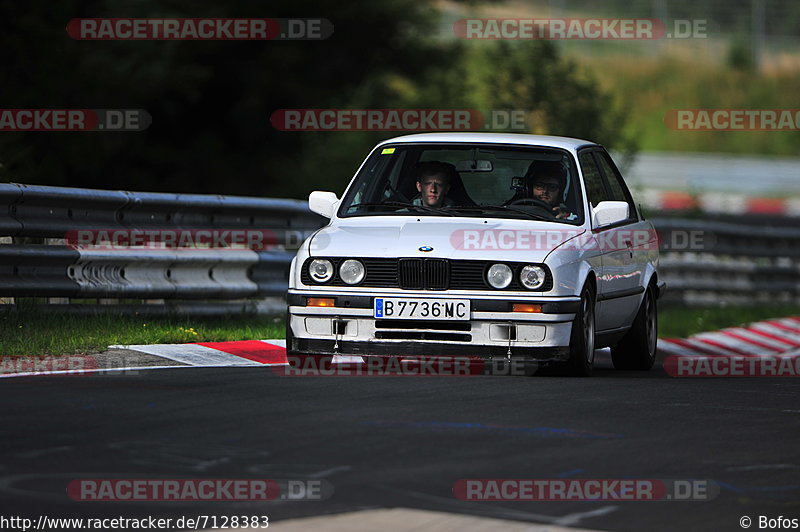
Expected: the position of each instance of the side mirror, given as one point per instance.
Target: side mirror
(322, 203)
(609, 212)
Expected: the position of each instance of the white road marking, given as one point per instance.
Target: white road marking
(94, 370)
(576, 518)
(498, 511)
(758, 467)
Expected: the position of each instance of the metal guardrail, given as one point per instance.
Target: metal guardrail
(43, 211)
(712, 262)
(54, 215)
(703, 261)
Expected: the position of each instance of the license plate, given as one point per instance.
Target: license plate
(397, 308)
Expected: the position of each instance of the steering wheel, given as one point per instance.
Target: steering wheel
(532, 201)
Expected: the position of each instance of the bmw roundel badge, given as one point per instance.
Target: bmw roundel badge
(426, 248)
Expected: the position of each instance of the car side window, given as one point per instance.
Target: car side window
(619, 191)
(595, 191)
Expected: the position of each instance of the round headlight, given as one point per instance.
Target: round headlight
(499, 276)
(532, 276)
(352, 271)
(321, 270)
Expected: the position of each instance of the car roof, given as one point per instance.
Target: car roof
(566, 143)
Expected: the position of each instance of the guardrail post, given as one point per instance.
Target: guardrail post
(6, 300)
(56, 300)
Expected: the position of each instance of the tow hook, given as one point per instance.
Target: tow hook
(511, 328)
(338, 325)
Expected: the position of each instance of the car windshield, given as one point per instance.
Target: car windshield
(485, 180)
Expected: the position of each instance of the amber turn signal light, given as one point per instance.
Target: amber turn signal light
(526, 307)
(320, 302)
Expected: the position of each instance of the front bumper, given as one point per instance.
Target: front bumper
(493, 330)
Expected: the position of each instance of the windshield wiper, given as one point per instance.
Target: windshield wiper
(481, 208)
(407, 205)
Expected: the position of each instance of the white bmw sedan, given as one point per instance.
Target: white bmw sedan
(479, 244)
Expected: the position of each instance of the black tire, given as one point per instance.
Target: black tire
(637, 349)
(581, 344)
(292, 357)
(289, 336)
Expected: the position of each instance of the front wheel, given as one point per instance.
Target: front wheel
(289, 336)
(581, 345)
(637, 349)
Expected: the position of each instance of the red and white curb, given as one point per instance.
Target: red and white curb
(674, 200)
(241, 353)
(769, 348)
(760, 339)
(237, 353)
(205, 354)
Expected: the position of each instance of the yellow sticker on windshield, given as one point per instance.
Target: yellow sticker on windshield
(387, 151)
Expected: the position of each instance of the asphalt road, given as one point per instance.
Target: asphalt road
(403, 442)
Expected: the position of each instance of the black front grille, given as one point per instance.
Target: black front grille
(424, 274)
(411, 274)
(437, 274)
(380, 272)
(444, 325)
(470, 275)
(423, 335)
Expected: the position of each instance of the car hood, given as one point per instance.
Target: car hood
(454, 238)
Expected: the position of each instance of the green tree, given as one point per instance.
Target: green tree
(211, 101)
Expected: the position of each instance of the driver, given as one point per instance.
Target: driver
(433, 184)
(547, 180)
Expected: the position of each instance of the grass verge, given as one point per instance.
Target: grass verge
(29, 332)
(676, 321)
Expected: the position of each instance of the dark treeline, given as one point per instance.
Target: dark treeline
(211, 101)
